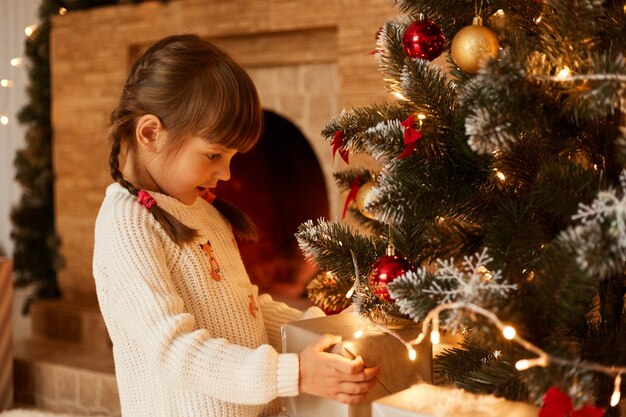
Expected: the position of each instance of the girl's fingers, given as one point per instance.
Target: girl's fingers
(355, 388)
(349, 398)
(367, 374)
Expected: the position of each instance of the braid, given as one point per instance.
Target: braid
(174, 229)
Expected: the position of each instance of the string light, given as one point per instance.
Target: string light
(616, 390)
(6, 83)
(508, 332)
(524, 364)
(500, 175)
(16, 62)
(538, 19)
(358, 333)
(30, 29)
(4, 119)
(543, 359)
(412, 352)
(564, 73)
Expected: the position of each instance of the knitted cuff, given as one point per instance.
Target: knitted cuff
(287, 374)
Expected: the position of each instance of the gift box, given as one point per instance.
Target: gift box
(376, 347)
(425, 400)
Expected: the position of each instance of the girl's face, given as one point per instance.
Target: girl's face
(197, 164)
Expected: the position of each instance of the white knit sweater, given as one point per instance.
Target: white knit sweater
(191, 336)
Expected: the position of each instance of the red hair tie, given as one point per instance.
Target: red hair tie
(146, 200)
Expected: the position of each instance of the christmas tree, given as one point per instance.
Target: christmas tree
(499, 206)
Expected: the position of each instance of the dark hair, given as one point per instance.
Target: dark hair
(194, 88)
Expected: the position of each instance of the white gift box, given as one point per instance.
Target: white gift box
(376, 347)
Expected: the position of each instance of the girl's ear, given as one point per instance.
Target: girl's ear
(147, 131)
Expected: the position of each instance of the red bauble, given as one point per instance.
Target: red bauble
(386, 269)
(423, 39)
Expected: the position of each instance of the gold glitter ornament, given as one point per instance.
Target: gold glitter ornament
(472, 44)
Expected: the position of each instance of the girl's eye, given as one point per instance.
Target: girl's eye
(214, 156)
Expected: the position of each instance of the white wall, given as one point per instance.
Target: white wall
(15, 15)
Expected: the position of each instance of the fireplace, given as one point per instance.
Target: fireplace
(280, 185)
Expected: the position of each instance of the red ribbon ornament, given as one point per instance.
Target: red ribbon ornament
(337, 144)
(411, 136)
(354, 188)
(557, 404)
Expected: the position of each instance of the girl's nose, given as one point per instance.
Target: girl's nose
(223, 174)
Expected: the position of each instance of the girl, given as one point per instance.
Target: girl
(191, 336)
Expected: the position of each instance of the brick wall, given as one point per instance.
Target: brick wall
(318, 44)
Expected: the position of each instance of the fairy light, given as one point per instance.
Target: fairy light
(564, 73)
(412, 352)
(500, 176)
(350, 292)
(16, 62)
(538, 19)
(4, 119)
(616, 389)
(30, 29)
(358, 333)
(509, 332)
(6, 83)
(524, 364)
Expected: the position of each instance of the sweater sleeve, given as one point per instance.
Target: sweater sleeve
(136, 294)
(276, 313)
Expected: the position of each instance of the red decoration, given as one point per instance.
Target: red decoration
(337, 144)
(423, 39)
(386, 269)
(354, 189)
(206, 195)
(557, 404)
(411, 136)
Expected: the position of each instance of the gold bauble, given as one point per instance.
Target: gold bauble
(363, 197)
(472, 44)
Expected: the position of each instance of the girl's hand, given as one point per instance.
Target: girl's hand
(332, 376)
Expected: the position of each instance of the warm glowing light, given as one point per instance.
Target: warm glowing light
(508, 332)
(616, 391)
(4, 119)
(62, 11)
(435, 338)
(358, 333)
(29, 30)
(564, 73)
(524, 364)
(421, 116)
(6, 83)
(538, 19)
(412, 354)
(16, 62)
(500, 176)
(350, 292)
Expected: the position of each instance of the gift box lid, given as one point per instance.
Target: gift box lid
(425, 400)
